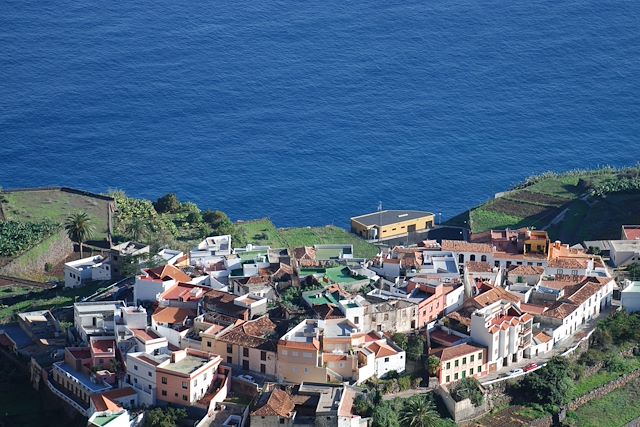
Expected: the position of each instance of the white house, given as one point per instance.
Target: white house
(630, 297)
(504, 330)
(78, 272)
(97, 318)
(624, 252)
(141, 375)
(155, 281)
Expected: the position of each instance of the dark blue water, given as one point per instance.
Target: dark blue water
(311, 112)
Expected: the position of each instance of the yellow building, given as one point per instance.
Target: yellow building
(387, 224)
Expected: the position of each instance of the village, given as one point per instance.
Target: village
(235, 335)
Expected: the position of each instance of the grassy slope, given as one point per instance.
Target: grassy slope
(304, 236)
(55, 205)
(537, 204)
(61, 298)
(615, 409)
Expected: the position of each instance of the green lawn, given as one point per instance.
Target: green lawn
(264, 232)
(585, 385)
(61, 298)
(616, 409)
(14, 290)
(55, 205)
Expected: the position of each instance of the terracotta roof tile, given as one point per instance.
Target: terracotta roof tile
(450, 353)
(478, 267)
(172, 314)
(462, 246)
(279, 404)
(526, 270)
(168, 272)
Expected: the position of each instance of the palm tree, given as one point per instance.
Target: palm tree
(79, 228)
(419, 411)
(137, 229)
(433, 364)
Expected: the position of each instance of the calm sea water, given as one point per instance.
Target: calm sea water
(312, 112)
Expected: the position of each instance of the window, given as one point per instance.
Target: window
(456, 363)
(149, 373)
(306, 370)
(208, 343)
(479, 369)
(479, 357)
(471, 371)
(245, 352)
(294, 354)
(195, 382)
(263, 355)
(164, 392)
(448, 365)
(263, 368)
(447, 379)
(229, 348)
(135, 367)
(229, 359)
(149, 386)
(483, 258)
(284, 352)
(184, 397)
(455, 376)
(472, 258)
(471, 358)
(559, 271)
(464, 360)
(281, 420)
(464, 374)
(135, 380)
(356, 319)
(185, 385)
(164, 380)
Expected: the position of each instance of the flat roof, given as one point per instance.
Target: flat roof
(625, 245)
(187, 365)
(94, 387)
(633, 287)
(387, 217)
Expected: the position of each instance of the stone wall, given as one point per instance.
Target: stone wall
(603, 391)
(463, 410)
(30, 265)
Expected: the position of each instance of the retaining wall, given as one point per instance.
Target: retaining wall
(30, 265)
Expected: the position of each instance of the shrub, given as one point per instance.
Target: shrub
(17, 237)
(404, 383)
(48, 267)
(468, 388)
(168, 203)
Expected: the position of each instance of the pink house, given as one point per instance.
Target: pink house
(189, 376)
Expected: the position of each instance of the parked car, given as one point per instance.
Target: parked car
(246, 377)
(530, 367)
(516, 371)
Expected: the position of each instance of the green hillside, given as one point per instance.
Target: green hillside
(585, 205)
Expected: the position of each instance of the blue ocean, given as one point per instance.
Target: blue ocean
(312, 112)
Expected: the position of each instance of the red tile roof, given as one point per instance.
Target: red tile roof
(526, 270)
(279, 404)
(381, 349)
(185, 292)
(103, 403)
(103, 346)
(450, 353)
(462, 246)
(145, 335)
(172, 315)
(168, 272)
(478, 267)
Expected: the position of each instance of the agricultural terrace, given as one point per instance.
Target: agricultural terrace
(264, 232)
(595, 204)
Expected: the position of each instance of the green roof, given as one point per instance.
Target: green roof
(342, 275)
(251, 255)
(103, 420)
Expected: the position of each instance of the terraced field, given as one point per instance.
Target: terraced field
(540, 202)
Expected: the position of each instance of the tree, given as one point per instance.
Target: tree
(137, 229)
(385, 416)
(550, 384)
(219, 222)
(401, 340)
(169, 417)
(433, 365)
(419, 411)
(79, 228)
(169, 203)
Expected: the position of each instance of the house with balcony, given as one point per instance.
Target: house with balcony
(468, 251)
(504, 330)
(141, 374)
(188, 376)
(250, 345)
(97, 318)
(335, 350)
(569, 305)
